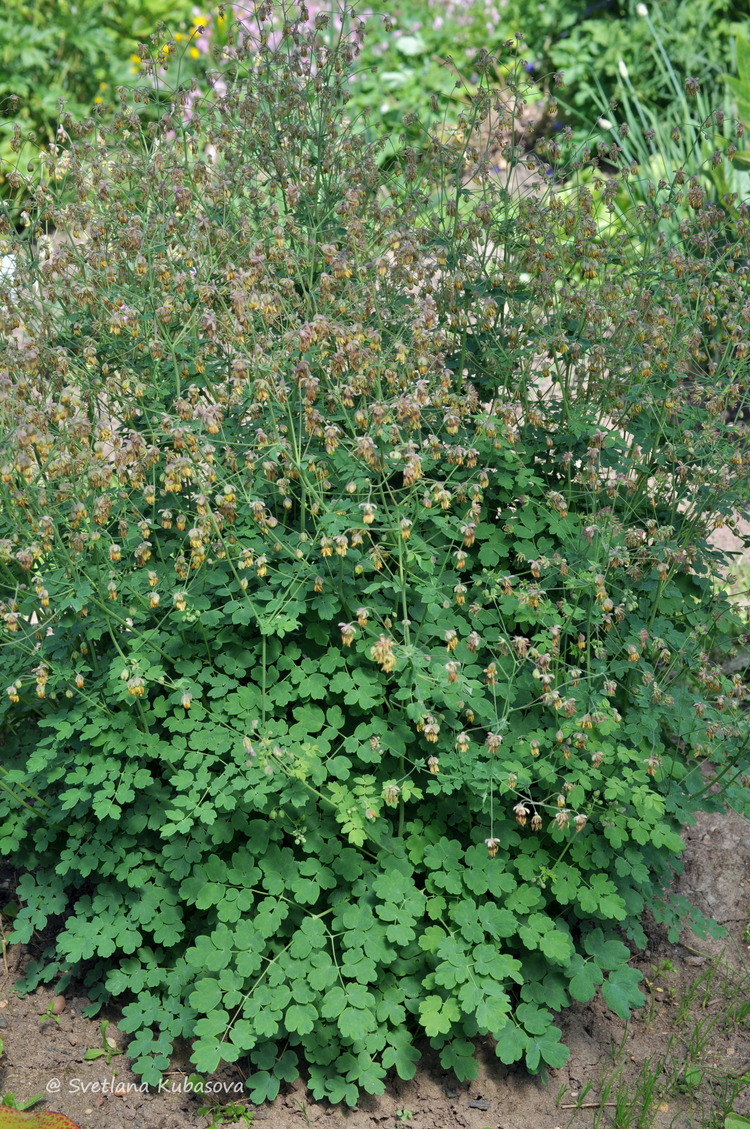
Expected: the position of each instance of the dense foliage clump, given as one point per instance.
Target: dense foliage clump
(358, 608)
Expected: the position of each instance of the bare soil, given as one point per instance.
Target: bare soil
(701, 989)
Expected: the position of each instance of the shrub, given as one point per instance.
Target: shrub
(357, 598)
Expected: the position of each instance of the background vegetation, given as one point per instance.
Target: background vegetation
(616, 51)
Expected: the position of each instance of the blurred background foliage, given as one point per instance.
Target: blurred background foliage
(55, 51)
(624, 65)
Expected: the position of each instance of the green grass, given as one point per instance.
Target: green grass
(689, 1076)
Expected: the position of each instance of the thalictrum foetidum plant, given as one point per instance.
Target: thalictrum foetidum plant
(359, 617)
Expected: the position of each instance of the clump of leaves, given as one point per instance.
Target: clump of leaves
(357, 598)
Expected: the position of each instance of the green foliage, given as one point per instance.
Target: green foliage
(739, 88)
(652, 40)
(50, 1013)
(107, 1050)
(233, 1113)
(356, 593)
(11, 1102)
(680, 119)
(60, 58)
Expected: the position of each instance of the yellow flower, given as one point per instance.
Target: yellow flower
(194, 53)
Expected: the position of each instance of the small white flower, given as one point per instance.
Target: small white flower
(641, 10)
(604, 123)
(622, 68)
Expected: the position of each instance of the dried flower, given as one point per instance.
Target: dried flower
(348, 632)
(391, 793)
(521, 812)
(382, 653)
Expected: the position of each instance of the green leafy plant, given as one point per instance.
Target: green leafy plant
(660, 142)
(356, 588)
(588, 46)
(12, 1102)
(233, 1113)
(50, 1013)
(107, 1050)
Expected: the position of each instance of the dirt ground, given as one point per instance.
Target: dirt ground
(696, 990)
